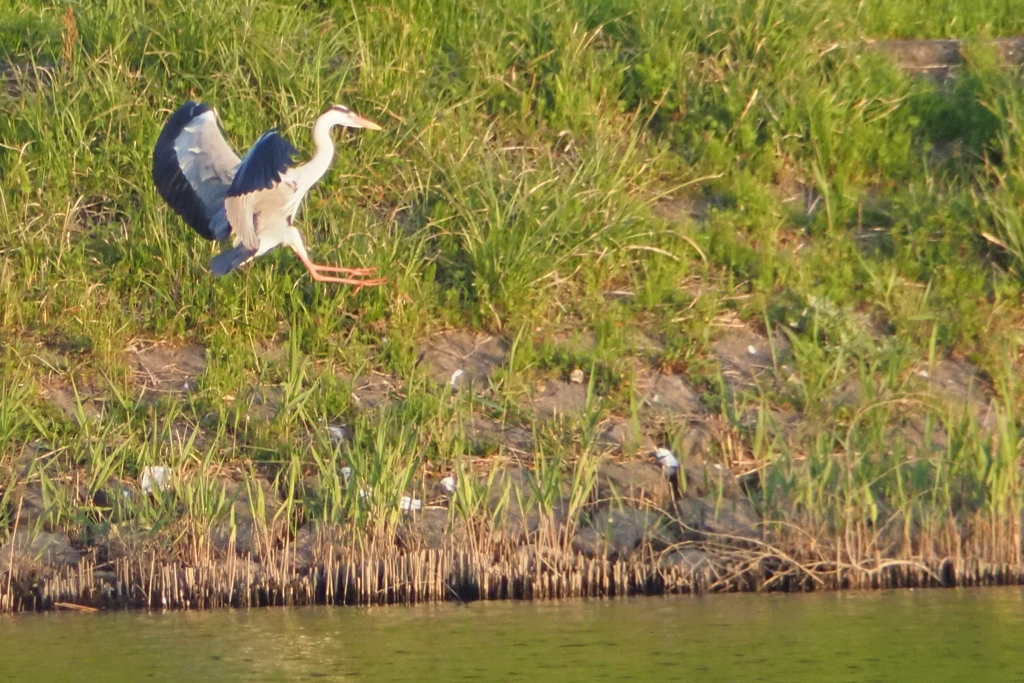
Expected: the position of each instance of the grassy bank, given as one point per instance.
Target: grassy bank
(755, 239)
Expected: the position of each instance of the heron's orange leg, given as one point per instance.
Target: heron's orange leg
(350, 271)
(314, 271)
(359, 284)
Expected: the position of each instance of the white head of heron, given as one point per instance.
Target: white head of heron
(339, 115)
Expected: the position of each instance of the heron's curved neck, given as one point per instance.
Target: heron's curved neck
(323, 151)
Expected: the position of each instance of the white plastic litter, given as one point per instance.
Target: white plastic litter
(667, 460)
(337, 433)
(454, 381)
(155, 478)
(448, 484)
(669, 469)
(408, 504)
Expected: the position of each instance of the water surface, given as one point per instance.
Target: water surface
(935, 635)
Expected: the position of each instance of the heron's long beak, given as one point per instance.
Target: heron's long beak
(359, 121)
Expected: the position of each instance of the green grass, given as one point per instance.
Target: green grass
(528, 183)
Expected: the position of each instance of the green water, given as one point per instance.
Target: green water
(962, 635)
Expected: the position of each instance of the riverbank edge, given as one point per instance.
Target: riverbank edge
(319, 569)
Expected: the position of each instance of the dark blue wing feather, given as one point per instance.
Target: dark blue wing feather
(262, 165)
(167, 174)
(230, 259)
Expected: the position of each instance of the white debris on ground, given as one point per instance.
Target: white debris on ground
(576, 376)
(669, 469)
(337, 433)
(155, 478)
(408, 504)
(668, 461)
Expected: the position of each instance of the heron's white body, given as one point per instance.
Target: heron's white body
(279, 205)
(275, 209)
(272, 210)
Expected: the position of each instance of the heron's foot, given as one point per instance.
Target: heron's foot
(358, 279)
(375, 282)
(350, 271)
(357, 282)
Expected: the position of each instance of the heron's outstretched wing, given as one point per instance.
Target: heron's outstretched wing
(261, 169)
(193, 167)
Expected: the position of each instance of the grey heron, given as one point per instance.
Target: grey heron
(254, 199)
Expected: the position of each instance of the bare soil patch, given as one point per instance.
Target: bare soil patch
(161, 370)
(461, 359)
(959, 385)
(374, 389)
(16, 79)
(938, 58)
(76, 399)
(485, 433)
(667, 394)
(556, 397)
(748, 357)
(264, 402)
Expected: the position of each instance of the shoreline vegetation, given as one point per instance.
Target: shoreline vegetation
(782, 241)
